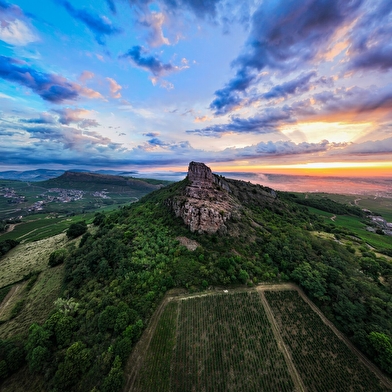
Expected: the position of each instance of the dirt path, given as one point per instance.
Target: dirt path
(8, 298)
(361, 357)
(135, 361)
(298, 383)
(356, 201)
(10, 228)
(333, 218)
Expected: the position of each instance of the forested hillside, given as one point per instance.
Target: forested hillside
(118, 274)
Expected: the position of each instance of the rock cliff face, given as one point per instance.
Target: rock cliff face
(206, 203)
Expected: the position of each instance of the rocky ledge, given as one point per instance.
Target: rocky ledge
(206, 203)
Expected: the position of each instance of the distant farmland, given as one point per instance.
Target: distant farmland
(252, 340)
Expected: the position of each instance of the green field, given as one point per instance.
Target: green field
(356, 226)
(37, 228)
(378, 205)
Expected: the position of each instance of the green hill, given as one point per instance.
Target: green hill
(190, 236)
(97, 182)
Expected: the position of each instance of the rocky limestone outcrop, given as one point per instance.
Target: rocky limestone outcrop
(206, 204)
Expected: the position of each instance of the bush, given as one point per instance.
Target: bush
(76, 229)
(57, 257)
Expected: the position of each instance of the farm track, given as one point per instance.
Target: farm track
(12, 293)
(136, 358)
(298, 383)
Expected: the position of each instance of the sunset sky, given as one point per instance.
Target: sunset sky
(284, 86)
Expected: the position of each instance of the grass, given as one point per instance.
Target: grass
(378, 205)
(27, 258)
(43, 226)
(3, 292)
(38, 302)
(357, 227)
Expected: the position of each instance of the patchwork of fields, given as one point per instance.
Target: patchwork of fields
(269, 339)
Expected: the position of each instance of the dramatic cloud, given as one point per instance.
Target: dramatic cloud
(371, 44)
(371, 147)
(298, 85)
(150, 63)
(50, 87)
(284, 36)
(266, 122)
(99, 25)
(114, 88)
(68, 116)
(348, 104)
(15, 29)
(44, 118)
(155, 21)
(290, 148)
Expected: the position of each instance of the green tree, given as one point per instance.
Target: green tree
(114, 381)
(77, 361)
(57, 257)
(382, 344)
(76, 229)
(37, 346)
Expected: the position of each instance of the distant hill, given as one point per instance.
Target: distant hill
(46, 174)
(98, 182)
(30, 175)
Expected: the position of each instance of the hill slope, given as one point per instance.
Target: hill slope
(96, 182)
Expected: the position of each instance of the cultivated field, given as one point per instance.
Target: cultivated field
(324, 362)
(264, 340)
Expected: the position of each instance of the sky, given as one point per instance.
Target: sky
(271, 86)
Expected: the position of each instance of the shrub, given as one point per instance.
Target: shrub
(76, 229)
(57, 257)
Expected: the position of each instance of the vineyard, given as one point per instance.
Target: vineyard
(226, 342)
(155, 373)
(324, 362)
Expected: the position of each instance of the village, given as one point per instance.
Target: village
(52, 195)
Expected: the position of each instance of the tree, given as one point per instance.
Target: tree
(114, 381)
(76, 229)
(77, 361)
(37, 347)
(66, 306)
(382, 344)
(57, 257)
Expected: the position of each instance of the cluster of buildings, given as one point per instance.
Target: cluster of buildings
(381, 224)
(12, 196)
(64, 195)
(101, 194)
